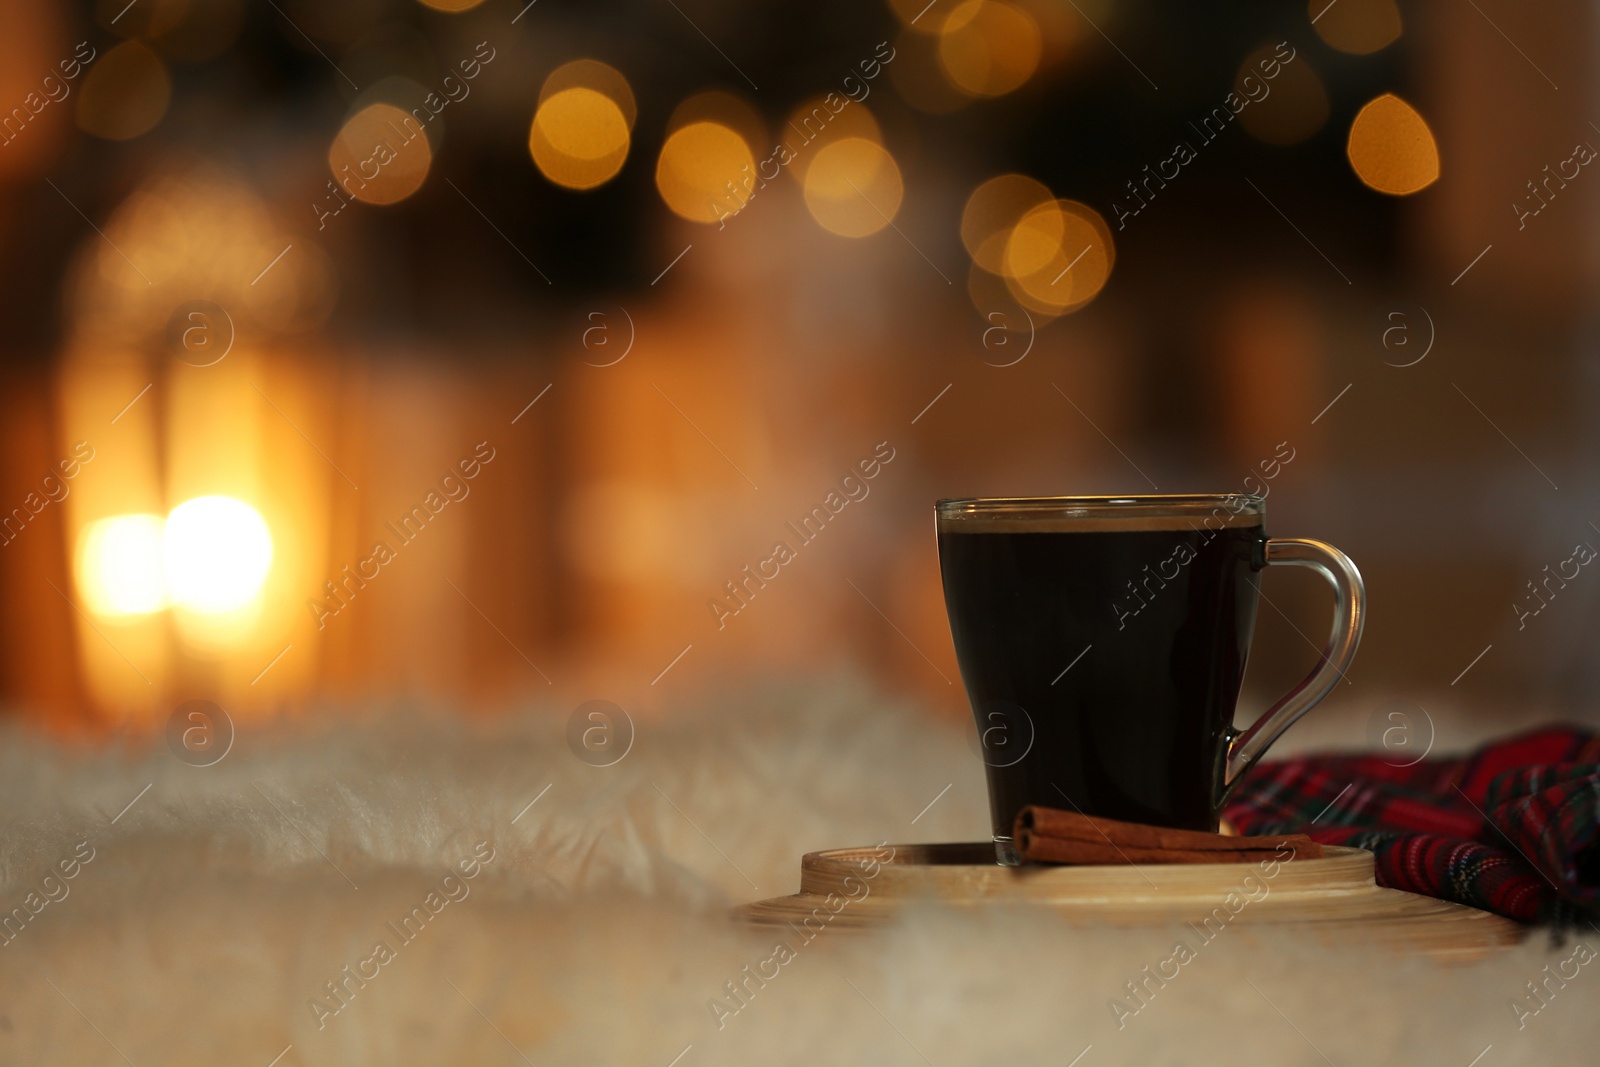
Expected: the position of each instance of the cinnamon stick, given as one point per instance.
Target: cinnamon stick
(1049, 835)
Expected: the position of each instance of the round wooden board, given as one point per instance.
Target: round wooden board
(1336, 894)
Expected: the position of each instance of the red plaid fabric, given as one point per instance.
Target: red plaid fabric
(1511, 828)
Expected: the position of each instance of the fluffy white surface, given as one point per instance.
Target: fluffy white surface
(218, 906)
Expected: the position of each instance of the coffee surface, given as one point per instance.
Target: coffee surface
(1103, 667)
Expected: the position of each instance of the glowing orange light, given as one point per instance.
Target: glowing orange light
(705, 171)
(1059, 256)
(853, 187)
(119, 566)
(593, 74)
(579, 138)
(381, 155)
(1391, 148)
(215, 554)
(992, 210)
(814, 124)
(125, 93)
(1359, 27)
(1285, 108)
(989, 47)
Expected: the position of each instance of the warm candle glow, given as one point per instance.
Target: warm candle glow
(216, 552)
(210, 555)
(119, 566)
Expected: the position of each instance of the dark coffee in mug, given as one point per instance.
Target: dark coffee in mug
(1103, 642)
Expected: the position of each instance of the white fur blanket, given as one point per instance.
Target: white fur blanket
(379, 892)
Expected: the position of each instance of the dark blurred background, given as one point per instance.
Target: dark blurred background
(677, 266)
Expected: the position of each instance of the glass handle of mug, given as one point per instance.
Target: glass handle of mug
(1349, 617)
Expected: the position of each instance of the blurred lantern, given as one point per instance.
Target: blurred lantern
(451, 5)
(1359, 27)
(580, 133)
(1283, 109)
(989, 47)
(381, 155)
(124, 94)
(212, 416)
(1391, 148)
(211, 556)
(1058, 257)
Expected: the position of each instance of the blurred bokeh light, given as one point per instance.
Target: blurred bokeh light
(119, 566)
(216, 552)
(1391, 147)
(381, 155)
(125, 93)
(1359, 27)
(1059, 256)
(989, 47)
(853, 187)
(990, 213)
(1283, 110)
(580, 133)
(988, 197)
(705, 171)
(579, 138)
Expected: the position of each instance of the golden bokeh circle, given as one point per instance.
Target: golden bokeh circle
(125, 93)
(813, 124)
(381, 155)
(1391, 147)
(579, 138)
(451, 6)
(705, 171)
(723, 109)
(992, 210)
(1358, 27)
(853, 187)
(593, 74)
(1059, 256)
(1292, 105)
(989, 47)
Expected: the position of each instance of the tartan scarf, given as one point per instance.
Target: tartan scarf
(1510, 828)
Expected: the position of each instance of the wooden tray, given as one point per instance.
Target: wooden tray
(1336, 894)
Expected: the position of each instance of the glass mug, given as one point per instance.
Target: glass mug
(1102, 641)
